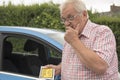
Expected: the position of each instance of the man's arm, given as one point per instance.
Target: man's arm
(87, 56)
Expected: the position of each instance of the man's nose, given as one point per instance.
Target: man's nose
(67, 23)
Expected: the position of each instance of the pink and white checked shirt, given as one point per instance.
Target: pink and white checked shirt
(100, 39)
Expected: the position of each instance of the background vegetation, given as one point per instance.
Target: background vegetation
(47, 16)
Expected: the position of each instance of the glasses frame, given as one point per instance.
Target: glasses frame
(69, 19)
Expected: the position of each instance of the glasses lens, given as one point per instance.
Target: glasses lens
(71, 18)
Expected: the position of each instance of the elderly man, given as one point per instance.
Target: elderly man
(90, 49)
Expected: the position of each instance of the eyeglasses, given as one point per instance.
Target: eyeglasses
(70, 18)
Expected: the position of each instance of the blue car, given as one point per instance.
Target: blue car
(23, 50)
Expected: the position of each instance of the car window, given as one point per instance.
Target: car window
(24, 55)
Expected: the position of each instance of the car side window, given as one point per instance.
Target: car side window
(23, 55)
(27, 56)
(54, 57)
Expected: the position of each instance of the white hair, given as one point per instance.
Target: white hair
(78, 5)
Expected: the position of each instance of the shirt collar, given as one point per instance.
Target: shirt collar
(87, 29)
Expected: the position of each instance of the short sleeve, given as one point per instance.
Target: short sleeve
(105, 45)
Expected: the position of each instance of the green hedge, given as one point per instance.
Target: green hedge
(47, 15)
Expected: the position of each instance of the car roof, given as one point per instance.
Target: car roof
(51, 36)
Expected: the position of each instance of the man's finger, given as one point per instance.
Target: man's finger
(68, 28)
(77, 28)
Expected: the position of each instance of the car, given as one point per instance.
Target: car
(23, 50)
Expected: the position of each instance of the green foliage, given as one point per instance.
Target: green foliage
(49, 17)
(42, 16)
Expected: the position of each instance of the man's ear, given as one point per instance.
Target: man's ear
(85, 13)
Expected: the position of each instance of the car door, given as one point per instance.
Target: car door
(23, 55)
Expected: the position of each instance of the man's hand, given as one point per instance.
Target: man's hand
(57, 68)
(72, 34)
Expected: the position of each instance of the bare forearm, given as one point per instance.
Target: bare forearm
(59, 65)
(58, 71)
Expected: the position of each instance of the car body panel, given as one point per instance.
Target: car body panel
(11, 76)
(30, 31)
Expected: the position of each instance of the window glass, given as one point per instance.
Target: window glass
(26, 56)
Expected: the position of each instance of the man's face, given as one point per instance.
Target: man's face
(71, 18)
